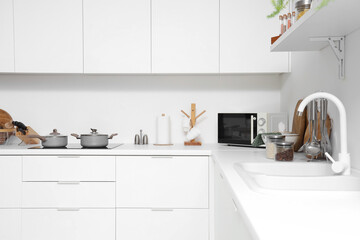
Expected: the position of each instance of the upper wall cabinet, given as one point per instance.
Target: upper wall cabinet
(7, 36)
(117, 36)
(48, 36)
(185, 36)
(245, 34)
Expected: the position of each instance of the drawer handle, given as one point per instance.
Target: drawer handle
(68, 156)
(162, 157)
(68, 209)
(69, 182)
(162, 210)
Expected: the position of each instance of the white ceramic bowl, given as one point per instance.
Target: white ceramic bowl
(291, 137)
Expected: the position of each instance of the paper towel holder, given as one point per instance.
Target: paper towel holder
(192, 118)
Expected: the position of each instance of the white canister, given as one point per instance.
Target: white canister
(163, 129)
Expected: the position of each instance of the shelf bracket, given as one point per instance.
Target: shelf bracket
(338, 46)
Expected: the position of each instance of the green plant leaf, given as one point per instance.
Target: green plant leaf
(279, 5)
(323, 4)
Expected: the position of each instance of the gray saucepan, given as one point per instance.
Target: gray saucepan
(53, 140)
(94, 139)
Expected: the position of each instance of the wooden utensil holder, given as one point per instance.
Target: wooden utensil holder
(192, 118)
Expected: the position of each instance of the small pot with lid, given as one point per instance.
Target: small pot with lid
(94, 139)
(53, 140)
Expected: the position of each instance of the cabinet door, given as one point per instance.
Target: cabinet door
(162, 182)
(185, 36)
(10, 182)
(140, 224)
(48, 36)
(84, 224)
(245, 34)
(10, 224)
(117, 36)
(229, 224)
(7, 36)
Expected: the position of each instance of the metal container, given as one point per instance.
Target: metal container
(53, 140)
(302, 7)
(94, 139)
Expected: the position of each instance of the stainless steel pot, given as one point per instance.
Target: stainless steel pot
(94, 139)
(53, 140)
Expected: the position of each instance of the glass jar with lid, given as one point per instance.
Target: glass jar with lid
(284, 151)
(270, 144)
(302, 6)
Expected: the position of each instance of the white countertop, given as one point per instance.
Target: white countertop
(274, 215)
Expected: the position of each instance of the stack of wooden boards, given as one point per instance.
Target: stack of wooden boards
(7, 129)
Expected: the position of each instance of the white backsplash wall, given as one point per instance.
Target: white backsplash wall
(314, 71)
(125, 104)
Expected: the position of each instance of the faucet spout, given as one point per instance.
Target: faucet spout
(344, 156)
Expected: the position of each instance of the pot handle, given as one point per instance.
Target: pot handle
(36, 136)
(75, 135)
(112, 135)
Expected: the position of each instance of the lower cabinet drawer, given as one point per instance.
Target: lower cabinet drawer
(50, 224)
(10, 224)
(162, 224)
(68, 194)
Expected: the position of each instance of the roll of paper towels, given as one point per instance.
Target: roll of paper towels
(163, 129)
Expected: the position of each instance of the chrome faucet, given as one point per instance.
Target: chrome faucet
(343, 165)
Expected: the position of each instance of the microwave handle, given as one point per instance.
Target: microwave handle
(252, 118)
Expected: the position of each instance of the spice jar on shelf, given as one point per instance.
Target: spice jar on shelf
(271, 140)
(284, 151)
(302, 6)
(281, 20)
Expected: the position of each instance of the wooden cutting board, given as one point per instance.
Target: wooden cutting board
(5, 119)
(299, 126)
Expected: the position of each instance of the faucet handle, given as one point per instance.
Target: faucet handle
(336, 166)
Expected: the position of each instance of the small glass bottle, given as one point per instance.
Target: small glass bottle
(284, 151)
(285, 22)
(289, 21)
(281, 24)
(270, 144)
(293, 19)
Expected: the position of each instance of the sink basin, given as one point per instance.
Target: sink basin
(296, 176)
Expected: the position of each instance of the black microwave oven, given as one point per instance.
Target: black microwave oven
(242, 128)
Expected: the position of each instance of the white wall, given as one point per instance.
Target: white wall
(315, 71)
(125, 104)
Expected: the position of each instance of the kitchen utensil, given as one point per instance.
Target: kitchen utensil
(325, 140)
(313, 149)
(192, 133)
(94, 139)
(53, 140)
(298, 127)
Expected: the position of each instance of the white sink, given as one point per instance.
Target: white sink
(296, 176)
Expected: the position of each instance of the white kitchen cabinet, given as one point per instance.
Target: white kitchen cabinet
(162, 182)
(10, 182)
(165, 224)
(68, 194)
(7, 36)
(83, 224)
(69, 168)
(48, 36)
(117, 36)
(245, 34)
(10, 224)
(229, 224)
(185, 36)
